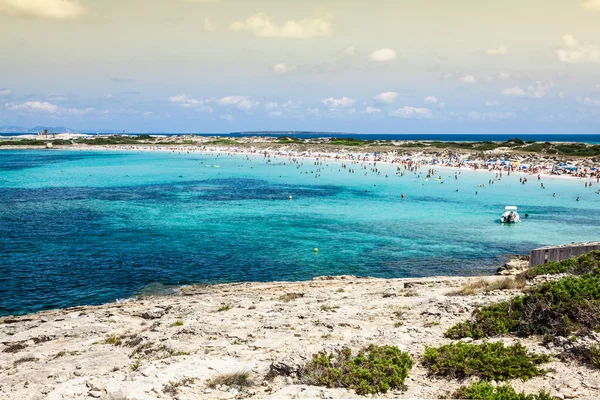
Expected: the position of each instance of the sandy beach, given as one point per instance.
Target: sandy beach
(502, 159)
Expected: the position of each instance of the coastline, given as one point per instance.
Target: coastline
(536, 163)
(139, 349)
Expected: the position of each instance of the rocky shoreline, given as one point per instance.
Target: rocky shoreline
(172, 347)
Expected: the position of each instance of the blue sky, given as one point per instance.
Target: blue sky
(432, 66)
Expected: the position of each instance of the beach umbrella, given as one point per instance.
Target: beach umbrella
(573, 168)
(563, 165)
(593, 169)
(524, 166)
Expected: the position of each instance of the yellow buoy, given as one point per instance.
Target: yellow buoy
(290, 197)
(316, 250)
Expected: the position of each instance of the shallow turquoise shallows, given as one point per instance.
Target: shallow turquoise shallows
(90, 227)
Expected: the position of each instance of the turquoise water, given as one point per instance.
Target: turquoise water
(91, 227)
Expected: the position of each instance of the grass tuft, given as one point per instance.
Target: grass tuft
(238, 380)
(290, 296)
(482, 285)
(224, 307)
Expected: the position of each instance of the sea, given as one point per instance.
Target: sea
(570, 137)
(90, 227)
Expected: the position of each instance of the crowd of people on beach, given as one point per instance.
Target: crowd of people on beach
(412, 162)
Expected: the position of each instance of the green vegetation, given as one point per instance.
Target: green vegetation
(327, 308)
(224, 307)
(26, 360)
(14, 348)
(482, 285)
(116, 140)
(587, 355)
(559, 308)
(112, 340)
(350, 142)
(290, 296)
(485, 391)
(487, 361)
(238, 380)
(223, 142)
(34, 142)
(176, 323)
(576, 266)
(375, 369)
(289, 139)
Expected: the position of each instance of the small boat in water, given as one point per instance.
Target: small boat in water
(510, 215)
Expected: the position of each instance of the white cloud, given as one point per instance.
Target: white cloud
(500, 51)
(493, 103)
(241, 102)
(57, 9)
(344, 102)
(226, 117)
(591, 4)
(5, 91)
(504, 76)
(57, 96)
(588, 101)
(386, 97)
(431, 100)
(372, 110)
(574, 52)
(48, 108)
(349, 51)
(260, 25)
(275, 113)
(412, 112)
(535, 91)
(383, 55)
(210, 25)
(187, 101)
(494, 116)
(148, 114)
(470, 79)
(539, 89)
(283, 68)
(514, 91)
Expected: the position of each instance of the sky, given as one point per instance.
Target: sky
(378, 66)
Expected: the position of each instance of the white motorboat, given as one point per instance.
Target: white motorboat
(510, 215)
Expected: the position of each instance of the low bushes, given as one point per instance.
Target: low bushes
(576, 266)
(375, 369)
(487, 361)
(587, 355)
(485, 391)
(559, 308)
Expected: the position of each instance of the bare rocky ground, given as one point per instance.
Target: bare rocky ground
(172, 347)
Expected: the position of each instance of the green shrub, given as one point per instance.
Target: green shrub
(487, 361)
(485, 391)
(576, 266)
(375, 369)
(223, 142)
(589, 355)
(559, 308)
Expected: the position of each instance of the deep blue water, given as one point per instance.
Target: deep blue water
(91, 227)
(571, 137)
